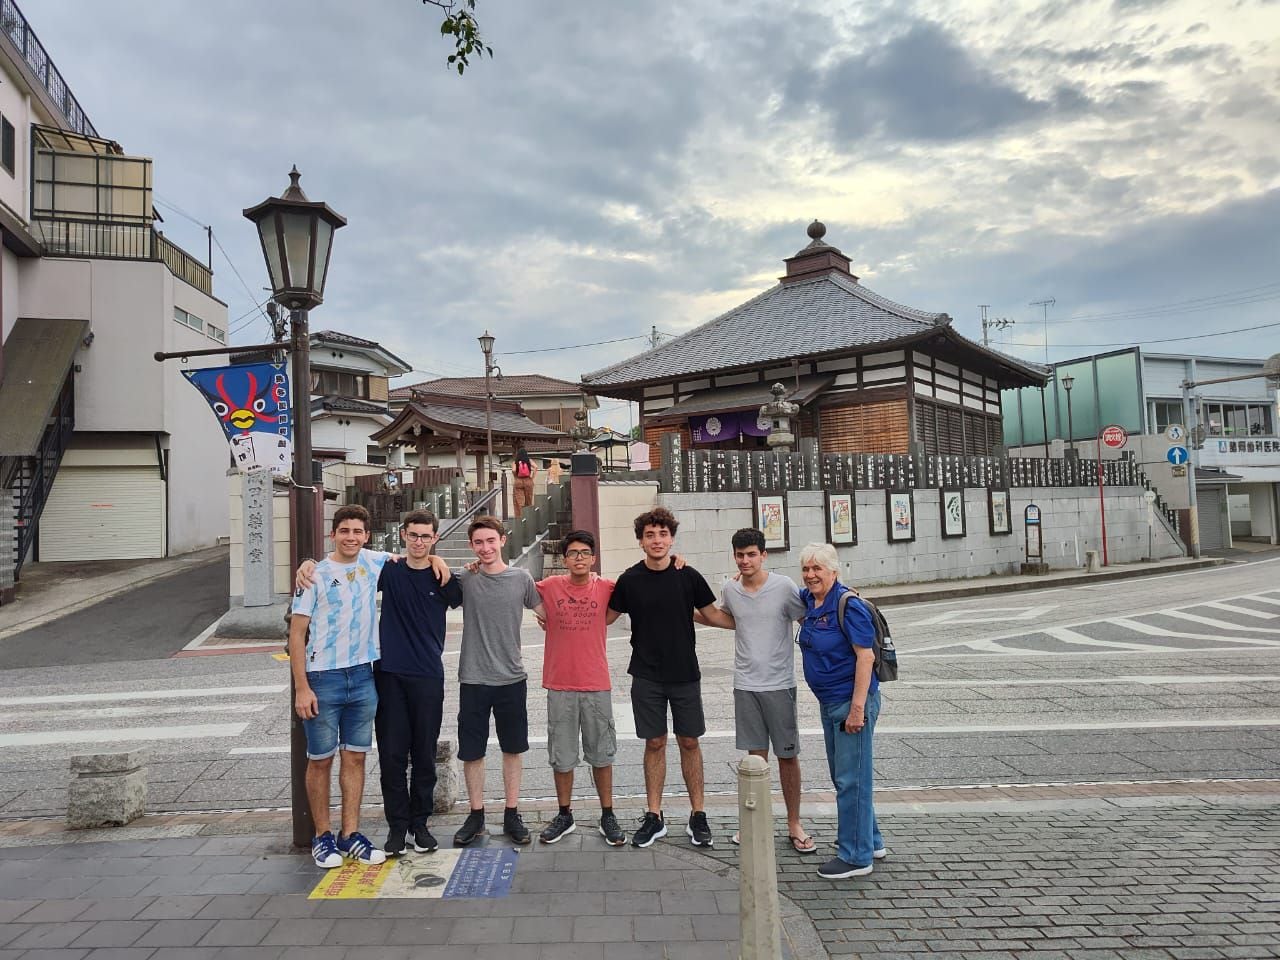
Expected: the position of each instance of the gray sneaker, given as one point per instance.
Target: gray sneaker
(611, 830)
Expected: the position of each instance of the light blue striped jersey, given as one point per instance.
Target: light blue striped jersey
(341, 603)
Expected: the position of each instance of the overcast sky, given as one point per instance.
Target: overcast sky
(618, 166)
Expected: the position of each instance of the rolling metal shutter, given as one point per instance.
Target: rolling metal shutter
(1209, 504)
(104, 513)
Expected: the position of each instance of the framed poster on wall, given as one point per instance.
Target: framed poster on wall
(842, 519)
(901, 515)
(770, 511)
(952, 505)
(998, 512)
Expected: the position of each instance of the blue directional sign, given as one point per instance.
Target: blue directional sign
(1177, 456)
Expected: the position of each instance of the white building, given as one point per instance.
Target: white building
(1238, 483)
(349, 396)
(104, 453)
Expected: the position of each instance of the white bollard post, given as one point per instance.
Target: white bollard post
(760, 927)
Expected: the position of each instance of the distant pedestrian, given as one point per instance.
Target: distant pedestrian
(575, 673)
(491, 674)
(839, 667)
(523, 470)
(554, 472)
(332, 647)
(761, 608)
(660, 599)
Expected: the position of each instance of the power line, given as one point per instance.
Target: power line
(1235, 298)
(1139, 343)
(573, 346)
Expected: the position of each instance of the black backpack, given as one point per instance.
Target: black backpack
(886, 655)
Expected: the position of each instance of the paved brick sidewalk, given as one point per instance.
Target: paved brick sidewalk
(1071, 875)
(1134, 879)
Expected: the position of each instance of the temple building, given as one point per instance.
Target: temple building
(869, 375)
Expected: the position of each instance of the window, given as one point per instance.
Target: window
(1237, 419)
(1161, 413)
(188, 319)
(335, 383)
(8, 146)
(216, 333)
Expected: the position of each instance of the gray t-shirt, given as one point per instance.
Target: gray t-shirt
(493, 606)
(762, 654)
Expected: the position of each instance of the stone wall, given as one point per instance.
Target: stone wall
(620, 503)
(1070, 524)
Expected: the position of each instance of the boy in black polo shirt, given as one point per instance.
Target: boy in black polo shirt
(664, 668)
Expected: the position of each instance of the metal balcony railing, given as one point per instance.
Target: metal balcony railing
(121, 241)
(15, 27)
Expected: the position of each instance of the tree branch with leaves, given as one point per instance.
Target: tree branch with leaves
(460, 23)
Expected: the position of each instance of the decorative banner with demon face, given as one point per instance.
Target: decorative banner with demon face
(252, 404)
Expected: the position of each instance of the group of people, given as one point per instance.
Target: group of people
(353, 673)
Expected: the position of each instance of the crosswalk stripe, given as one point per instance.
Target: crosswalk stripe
(1244, 611)
(1070, 636)
(1220, 624)
(60, 715)
(1154, 631)
(196, 731)
(185, 694)
(1275, 601)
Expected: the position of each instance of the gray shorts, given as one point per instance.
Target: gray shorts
(761, 716)
(578, 715)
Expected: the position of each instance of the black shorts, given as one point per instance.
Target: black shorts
(649, 699)
(510, 718)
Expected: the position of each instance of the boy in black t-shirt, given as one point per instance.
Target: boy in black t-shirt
(664, 669)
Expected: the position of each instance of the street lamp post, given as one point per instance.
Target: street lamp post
(297, 238)
(1068, 381)
(486, 347)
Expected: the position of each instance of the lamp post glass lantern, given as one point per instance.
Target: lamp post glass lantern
(486, 347)
(1068, 381)
(297, 237)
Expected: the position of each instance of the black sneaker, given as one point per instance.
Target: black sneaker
(395, 842)
(513, 826)
(561, 826)
(652, 827)
(837, 869)
(611, 831)
(471, 828)
(423, 841)
(698, 830)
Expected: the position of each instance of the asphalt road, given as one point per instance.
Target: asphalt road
(155, 620)
(1172, 677)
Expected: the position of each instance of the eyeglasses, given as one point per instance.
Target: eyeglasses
(420, 537)
(578, 554)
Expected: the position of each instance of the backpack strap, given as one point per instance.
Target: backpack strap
(841, 605)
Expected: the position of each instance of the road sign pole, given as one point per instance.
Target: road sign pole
(1102, 500)
(1193, 513)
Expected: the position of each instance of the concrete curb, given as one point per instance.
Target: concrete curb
(976, 589)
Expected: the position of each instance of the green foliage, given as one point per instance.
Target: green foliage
(460, 23)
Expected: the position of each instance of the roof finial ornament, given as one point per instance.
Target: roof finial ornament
(817, 230)
(294, 190)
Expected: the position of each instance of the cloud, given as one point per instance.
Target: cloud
(921, 86)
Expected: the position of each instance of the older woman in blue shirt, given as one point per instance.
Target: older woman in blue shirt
(839, 668)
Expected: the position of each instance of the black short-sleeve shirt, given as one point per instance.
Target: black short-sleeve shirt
(661, 604)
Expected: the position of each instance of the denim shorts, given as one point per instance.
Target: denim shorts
(346, 700)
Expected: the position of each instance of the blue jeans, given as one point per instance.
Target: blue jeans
(346, 700)
(849, 760)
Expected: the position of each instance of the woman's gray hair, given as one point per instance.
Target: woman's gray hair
(823, 554)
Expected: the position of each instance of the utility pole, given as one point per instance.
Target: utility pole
(1046, 304)
(994, 323)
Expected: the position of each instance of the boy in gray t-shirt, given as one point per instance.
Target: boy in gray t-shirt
(491, 675)
(761, 608)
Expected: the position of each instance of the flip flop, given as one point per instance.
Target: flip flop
(803, 844)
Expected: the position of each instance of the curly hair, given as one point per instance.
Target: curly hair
(657, 517)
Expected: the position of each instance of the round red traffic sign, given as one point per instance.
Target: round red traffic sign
(1115, 436)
